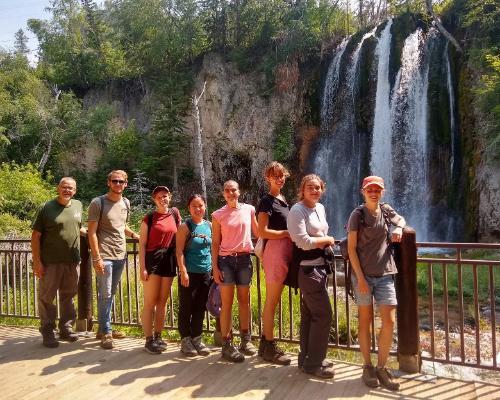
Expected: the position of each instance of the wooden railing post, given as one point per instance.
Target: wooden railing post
(407, 311)
(85, 321)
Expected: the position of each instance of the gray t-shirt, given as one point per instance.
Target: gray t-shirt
(111, 226)
(372, 247)
(304, 224)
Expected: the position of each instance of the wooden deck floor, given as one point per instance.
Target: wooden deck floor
(82, 370)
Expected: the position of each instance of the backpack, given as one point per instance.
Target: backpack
(298, 255)
(101, 202)
(191, 226)
(343, 243)
(214, 301)
(177, 219)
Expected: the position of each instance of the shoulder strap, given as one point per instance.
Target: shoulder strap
(176, 215)
(101, 203)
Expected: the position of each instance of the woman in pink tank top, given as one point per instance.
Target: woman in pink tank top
(232, 227)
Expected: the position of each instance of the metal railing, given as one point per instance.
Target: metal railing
(455, 294)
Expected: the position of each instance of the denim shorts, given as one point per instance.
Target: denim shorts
(236, 270)
(381, 288)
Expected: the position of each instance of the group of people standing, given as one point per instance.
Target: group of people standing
(198, 251)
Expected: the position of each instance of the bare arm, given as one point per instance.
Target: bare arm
(180, 243)
(97, 261)
(143, 240)
(130, 233)
(38, 267)
(216, 239)
(255, 227)
(265, 232)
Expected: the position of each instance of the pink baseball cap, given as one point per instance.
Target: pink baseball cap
(373, 180)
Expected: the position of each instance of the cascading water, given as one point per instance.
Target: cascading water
(409, 126)
(340, 140)
(382, 129)
(399, 135)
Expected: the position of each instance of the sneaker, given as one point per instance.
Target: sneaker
(115, 335)
(370, 376)
(162, 345)
(246, 346)
(200, 347)
(386, 379)
(274, 354)
(68, 335)
(107, 341)
(231, 353)
(49, 339)
(327, 363)
(152, 346)
(187, 347)
(321, 372)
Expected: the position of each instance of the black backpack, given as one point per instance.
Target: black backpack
(298, 255)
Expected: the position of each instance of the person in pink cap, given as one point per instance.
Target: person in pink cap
(372, 227)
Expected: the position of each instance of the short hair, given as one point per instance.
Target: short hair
(275, 168)
(305, 180)
(66, 178)
(230, 181)
(118, 172)
(195, 196)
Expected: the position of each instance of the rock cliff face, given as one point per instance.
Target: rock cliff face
(239, 123)
(488, 180)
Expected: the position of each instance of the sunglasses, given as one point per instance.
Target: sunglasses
(374, 190)
(118, 181)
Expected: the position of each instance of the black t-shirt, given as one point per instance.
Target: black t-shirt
(276, 209)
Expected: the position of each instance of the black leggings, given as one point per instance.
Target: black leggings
(192, 304)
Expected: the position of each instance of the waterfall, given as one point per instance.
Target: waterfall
(400, 136)
(451, 99)
(409, 125)
(337, 159)
(381, 150)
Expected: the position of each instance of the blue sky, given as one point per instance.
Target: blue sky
(14, 14)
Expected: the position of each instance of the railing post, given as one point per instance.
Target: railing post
(407, 311)
(85, 321)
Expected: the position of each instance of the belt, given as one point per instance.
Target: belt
(237, 254)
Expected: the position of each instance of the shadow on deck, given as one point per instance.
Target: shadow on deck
(83, 370)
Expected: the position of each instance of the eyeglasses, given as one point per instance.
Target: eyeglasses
(118, 181)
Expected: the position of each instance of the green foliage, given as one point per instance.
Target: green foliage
(13, 227)
(22, 191)
(283, 141)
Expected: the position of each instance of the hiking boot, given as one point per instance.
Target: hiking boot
(162, 345)
(68, 335)
(327, 363)
(107, 341)
(230, 353)
(386, 379)
(200, 347)
(262, 346)
(114, 335)
(321, 372)
(246, 346)
(370, 376)
(152, 346)
(49, 339)
(187, 347)
(274, 354)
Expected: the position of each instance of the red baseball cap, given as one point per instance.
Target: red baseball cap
(373, 180)
(160, 189)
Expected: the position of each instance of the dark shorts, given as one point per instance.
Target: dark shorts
(236, 270)
(162, 262)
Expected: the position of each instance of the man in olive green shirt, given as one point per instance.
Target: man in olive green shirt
(55, 244)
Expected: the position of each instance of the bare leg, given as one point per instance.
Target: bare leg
(151, 293)
(227, 295)
(273, 295)
(243, 307)
(365, 320)
(163, 295)
(388, 316)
